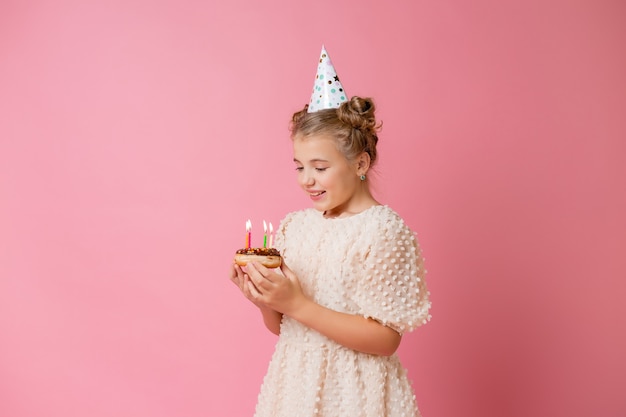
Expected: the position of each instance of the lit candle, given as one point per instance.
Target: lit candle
(264, 234)
(271, 235)
(248, 233)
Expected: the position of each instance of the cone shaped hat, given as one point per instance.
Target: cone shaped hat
(328, 93)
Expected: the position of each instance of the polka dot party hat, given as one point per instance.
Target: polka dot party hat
(328, 92)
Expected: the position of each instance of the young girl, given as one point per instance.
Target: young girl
(352, 281)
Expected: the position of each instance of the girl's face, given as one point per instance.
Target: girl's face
(331, 181)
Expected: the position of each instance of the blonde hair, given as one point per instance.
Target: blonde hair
(353, 126)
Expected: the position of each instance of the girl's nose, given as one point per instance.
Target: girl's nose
(307, 179)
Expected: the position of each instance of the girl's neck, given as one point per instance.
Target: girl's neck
(354, 206)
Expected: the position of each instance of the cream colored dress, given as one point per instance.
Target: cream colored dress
(367, 264)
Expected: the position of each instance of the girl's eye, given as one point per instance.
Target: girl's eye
(320, 169)
(299, 168)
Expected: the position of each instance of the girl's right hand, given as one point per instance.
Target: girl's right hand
(240, 279)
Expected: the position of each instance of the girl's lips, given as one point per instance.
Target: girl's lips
(316, 195)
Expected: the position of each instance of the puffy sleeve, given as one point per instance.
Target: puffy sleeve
(394, 291)
(279, 236)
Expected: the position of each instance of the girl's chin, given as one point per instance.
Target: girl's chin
(321, 207)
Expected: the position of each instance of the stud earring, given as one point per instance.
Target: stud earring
(362, 177)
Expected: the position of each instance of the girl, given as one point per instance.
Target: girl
(352, 281)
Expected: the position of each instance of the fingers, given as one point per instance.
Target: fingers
(261, 284)
(255, 277)
(252, 292)
(235, 270)
(288, 273)
(285, 270)
(264, 273)
(256, 272)
(242, 280)
(233, 274)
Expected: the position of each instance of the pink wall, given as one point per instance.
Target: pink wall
(137, 137)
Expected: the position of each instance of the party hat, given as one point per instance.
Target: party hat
(328, 92)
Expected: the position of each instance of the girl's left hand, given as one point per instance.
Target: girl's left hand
(282, 293)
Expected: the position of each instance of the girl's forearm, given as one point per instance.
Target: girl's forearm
(352, 331)
(272, 319)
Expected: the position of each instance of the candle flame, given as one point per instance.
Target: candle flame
(264, 226)
(248, 225)
(271, 228)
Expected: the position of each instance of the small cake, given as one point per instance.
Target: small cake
(268, 257)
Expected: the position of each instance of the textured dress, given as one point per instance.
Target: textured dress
(368, 264)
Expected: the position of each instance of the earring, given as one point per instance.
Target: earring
(362, 177)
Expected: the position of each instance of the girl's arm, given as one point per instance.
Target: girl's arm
(272, 319)
(283, 293)
(352, 331)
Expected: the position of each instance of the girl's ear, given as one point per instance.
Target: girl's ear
(363, 163)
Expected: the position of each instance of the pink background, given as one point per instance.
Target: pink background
(137, 137)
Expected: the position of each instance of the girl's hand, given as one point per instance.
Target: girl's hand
(242, 280)
(282, 293)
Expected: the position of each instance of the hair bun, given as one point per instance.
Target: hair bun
(359, 112)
